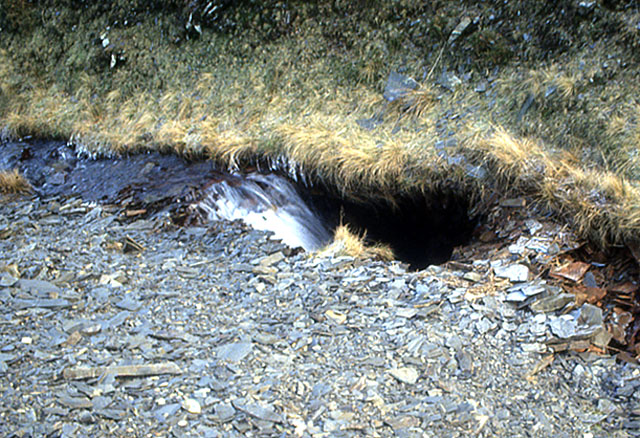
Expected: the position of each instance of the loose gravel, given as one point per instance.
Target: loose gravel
(113, 327)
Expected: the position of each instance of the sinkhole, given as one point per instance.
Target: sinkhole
(422, 229)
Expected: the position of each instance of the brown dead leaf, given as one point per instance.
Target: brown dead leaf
(573, 271)
(597, 350)
(590, 295)
(617, 333)
(627, 288)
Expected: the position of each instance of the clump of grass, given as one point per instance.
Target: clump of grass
(347, 243)
(559, 126)
(12, 182)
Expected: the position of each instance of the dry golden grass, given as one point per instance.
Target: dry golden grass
(347, 243)
(298, 100)
(12, 182)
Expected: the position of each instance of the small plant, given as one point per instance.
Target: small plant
(347, 243)
(12, 182)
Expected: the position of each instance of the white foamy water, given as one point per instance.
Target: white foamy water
(268, 203)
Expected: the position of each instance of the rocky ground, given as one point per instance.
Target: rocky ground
(121, 327)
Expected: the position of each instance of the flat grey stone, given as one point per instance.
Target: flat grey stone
(514, 273)
(7, 280)
(563, 327)
(38, 286)
(129, 304)
(234, 352)
(407, 375)
(263, 412)
(224, 412)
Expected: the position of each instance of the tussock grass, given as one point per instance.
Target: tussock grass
(562, 126)
(347, 243)
(12, 182)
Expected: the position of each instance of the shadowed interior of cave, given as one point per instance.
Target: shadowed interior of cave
(422, 229)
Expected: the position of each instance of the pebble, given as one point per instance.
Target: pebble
(407, 375)
(192, 406)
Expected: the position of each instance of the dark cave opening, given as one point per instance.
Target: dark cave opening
(422, 229)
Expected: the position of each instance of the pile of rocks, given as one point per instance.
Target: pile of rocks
(121, 328)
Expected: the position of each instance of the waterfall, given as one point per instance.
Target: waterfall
(268, 203)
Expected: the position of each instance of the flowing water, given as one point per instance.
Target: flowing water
(156, 182)
(269, 203)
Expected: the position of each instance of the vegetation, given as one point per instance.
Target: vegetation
(348, 243)
(12, 182)
(520, 97)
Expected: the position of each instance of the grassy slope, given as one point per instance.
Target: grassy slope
(287, 84)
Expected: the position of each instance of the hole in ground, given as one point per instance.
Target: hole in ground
(422, 229)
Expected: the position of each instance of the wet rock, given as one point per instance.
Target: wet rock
(272, 360)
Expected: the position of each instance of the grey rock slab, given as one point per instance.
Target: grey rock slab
(459, 29)
(111, 413)
(272, 259)
(590, 315)
(465, 362)
(117, 320)
(40, 287)
(552, 302)
(7, 280)
(234, 352)
(266, 338)
(74, 402)
(129, 304)
(370, 124)
(398, 86)
(166, 411)
(192, 406)
(514, 273)
(224, 412)
(45, 303)
(407, 375)
(263, 412)
(563, 327)
(406, 312)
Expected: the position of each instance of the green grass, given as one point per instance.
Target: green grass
(288, 85)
